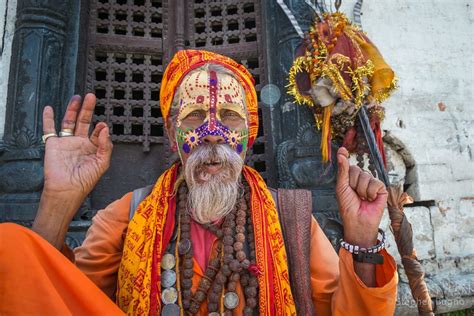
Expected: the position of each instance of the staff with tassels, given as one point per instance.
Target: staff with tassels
(343, 77)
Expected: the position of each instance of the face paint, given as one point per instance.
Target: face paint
(191, 138)
(219, 94)
(195, 94)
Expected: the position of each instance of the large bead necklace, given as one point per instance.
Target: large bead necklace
(235, 262)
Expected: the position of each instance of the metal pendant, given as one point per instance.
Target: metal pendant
(170, 310)
(214, 314)
(168, 278)
(169, 295)
(231, 300)
(168, 261)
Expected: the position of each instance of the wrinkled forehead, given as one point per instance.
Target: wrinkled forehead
(195, 89)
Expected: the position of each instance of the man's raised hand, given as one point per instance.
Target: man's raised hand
(362, 199)
(74, 164)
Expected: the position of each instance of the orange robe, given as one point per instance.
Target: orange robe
(335, 291)
(36, 279)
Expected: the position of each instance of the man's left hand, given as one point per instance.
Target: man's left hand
(362, 199)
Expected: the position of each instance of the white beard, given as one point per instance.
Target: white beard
(212, 196)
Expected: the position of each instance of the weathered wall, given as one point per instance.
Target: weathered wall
(430, 46)
(7, 28)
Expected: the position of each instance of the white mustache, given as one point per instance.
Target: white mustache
(207, 154)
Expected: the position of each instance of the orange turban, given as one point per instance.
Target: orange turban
(186, 60)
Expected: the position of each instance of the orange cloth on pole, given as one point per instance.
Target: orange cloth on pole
(185, 61)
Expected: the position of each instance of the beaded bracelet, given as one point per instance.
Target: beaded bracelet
(354, 249)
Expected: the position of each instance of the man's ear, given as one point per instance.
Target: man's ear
(171, 132)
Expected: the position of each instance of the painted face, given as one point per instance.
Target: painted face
(211, 105)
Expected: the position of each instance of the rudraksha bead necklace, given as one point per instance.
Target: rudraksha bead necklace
(234, 259)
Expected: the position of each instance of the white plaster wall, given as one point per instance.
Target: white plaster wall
(430, 45)
(7, 28)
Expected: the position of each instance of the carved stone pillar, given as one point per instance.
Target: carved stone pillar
(297, 141)
(42, 72)
(180, 23)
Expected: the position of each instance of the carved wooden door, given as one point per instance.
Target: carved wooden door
(127, 47)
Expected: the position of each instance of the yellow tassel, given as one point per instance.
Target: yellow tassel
(326, 129)
(299, 65)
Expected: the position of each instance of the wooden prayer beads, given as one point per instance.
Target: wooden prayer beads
(235, 255)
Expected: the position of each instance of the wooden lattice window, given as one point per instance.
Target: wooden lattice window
(125, 67)
(219, 23)
(126, 59)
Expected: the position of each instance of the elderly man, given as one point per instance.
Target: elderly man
(207, 238)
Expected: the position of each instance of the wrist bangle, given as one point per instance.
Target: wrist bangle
(354, 249)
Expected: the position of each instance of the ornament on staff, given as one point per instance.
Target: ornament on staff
(337, 71)
(340, 74)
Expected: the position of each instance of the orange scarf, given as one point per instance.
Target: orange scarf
(150, 230)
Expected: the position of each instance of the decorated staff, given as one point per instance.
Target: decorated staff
(343, 78)
(338, 71)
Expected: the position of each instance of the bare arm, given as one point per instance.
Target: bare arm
(337, 288)
(72, 167)
(365, 272)
(53, 218)
(362, 199)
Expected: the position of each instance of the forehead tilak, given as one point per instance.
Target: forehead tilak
(212, 99)
(196, 89)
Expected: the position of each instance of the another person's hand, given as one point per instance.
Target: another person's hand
(74, 164)
(362, 199)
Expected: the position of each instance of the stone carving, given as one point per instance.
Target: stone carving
(299, 161)
(73, 241)
(53, 6)
(21, 177)
(300, 166)
(36, 78)
(22, 144)
(331, 224)
(298, 155)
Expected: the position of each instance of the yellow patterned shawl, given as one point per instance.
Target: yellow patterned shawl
(148, 233)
